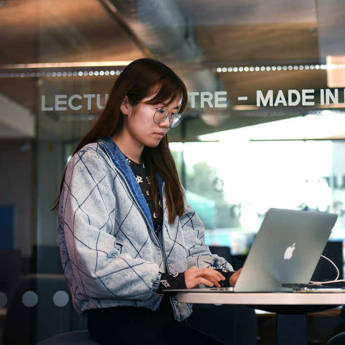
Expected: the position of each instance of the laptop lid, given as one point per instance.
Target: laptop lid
(286, 249)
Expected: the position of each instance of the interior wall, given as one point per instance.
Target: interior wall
(49, 173)
(16, 186)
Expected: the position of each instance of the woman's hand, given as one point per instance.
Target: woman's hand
(234, 277)
(207, 276)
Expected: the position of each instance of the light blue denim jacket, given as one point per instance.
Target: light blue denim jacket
(109, 251)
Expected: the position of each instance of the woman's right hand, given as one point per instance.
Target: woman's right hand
(207, 276)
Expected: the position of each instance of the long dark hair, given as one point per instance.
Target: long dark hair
(137, 81)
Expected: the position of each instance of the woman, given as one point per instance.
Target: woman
(125, 231)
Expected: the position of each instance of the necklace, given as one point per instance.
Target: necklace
(131, 163)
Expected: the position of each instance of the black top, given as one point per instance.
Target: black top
(142, 176)
(175, 281)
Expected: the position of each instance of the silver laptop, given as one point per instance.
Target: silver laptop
(286, 249)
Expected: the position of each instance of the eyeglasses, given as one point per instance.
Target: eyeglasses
(162, 114)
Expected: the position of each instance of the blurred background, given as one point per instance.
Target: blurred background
(264, 127)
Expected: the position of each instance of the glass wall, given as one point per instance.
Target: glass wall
(264, 126)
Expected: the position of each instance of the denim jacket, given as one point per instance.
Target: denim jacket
(110, 254)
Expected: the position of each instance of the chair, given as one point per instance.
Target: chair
(69, 338)
(324, 270)
(46, 259)
(223, 251)
(10, 270)
(338, 339)
(236, 261)
(43, 319)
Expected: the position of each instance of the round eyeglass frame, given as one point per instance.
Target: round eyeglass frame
(174, 118)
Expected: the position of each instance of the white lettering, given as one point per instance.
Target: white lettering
(192, 95)
(294, 98)
(61, 102)
(260, 99)
(70, 102)
(280, 99)
(98, 101)
(89, 97)
(220, 96)
(308, 94)
(43, 104)
(292, 93)
(322, 96)
(206, 97)
(332, 98)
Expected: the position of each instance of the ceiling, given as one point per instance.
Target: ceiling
(195, 37)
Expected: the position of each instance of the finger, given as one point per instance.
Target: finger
(218, 275)
(221, 276)
(205, 282)
(216, 283)
(212, 272)
(233, 281)
(234, 278)
(211, 278)
(211, 275)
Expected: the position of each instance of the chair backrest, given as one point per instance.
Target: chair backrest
(40, 308)
(236, 261)
(338, 339)
(223, 251)
(10, 270)
(46, 259)
(324, 270)
(70, 338)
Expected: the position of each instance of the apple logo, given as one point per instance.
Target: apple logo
(289, 251)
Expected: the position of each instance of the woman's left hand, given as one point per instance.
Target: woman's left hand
(234, 277)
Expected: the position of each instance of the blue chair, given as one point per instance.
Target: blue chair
(69, 338)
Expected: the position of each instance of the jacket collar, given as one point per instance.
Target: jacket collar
(120, 162)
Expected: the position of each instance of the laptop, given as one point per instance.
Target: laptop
(286, 250)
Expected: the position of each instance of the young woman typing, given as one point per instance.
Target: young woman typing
(125, 230)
